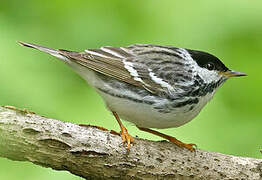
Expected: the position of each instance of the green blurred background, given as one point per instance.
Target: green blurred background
(232, 30)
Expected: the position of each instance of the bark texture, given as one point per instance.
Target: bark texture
(95, 154)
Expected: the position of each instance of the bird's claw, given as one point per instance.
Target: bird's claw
(126, 138)
(190, 147)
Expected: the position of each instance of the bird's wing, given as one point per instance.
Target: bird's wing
(147, 66)
(156, 68)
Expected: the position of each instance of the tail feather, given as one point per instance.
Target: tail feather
(50, 51)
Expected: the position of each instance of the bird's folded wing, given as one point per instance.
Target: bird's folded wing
(125, 65)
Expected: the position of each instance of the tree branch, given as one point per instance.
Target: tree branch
(95, 154)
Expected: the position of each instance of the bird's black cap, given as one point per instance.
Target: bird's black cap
(203, 58)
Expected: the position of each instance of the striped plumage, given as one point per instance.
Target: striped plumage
(151, 86)
(159, 81)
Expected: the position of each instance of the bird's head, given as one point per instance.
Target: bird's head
(210, 69)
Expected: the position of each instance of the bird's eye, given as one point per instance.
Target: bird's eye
(210, 66)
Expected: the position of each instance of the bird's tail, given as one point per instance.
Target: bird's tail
(50, 51)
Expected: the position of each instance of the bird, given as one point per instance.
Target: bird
(151, 86)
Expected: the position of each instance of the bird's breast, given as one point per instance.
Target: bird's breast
(141, 107)
(150, 111)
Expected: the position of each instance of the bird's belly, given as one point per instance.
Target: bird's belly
(145, 115)
(138, 105)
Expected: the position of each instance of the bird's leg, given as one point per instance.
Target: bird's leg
(124, 134)
(170, 138)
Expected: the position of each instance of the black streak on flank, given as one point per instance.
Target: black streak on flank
(184, 103)
(126, 97)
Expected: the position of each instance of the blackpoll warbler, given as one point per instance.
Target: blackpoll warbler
(151, 86)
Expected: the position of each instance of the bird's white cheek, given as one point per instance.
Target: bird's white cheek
(209, 76)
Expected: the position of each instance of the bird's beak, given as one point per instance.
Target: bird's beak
(231, 73)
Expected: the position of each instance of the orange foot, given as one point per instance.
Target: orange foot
(124, 134)
(126, 138)
(190, 147)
